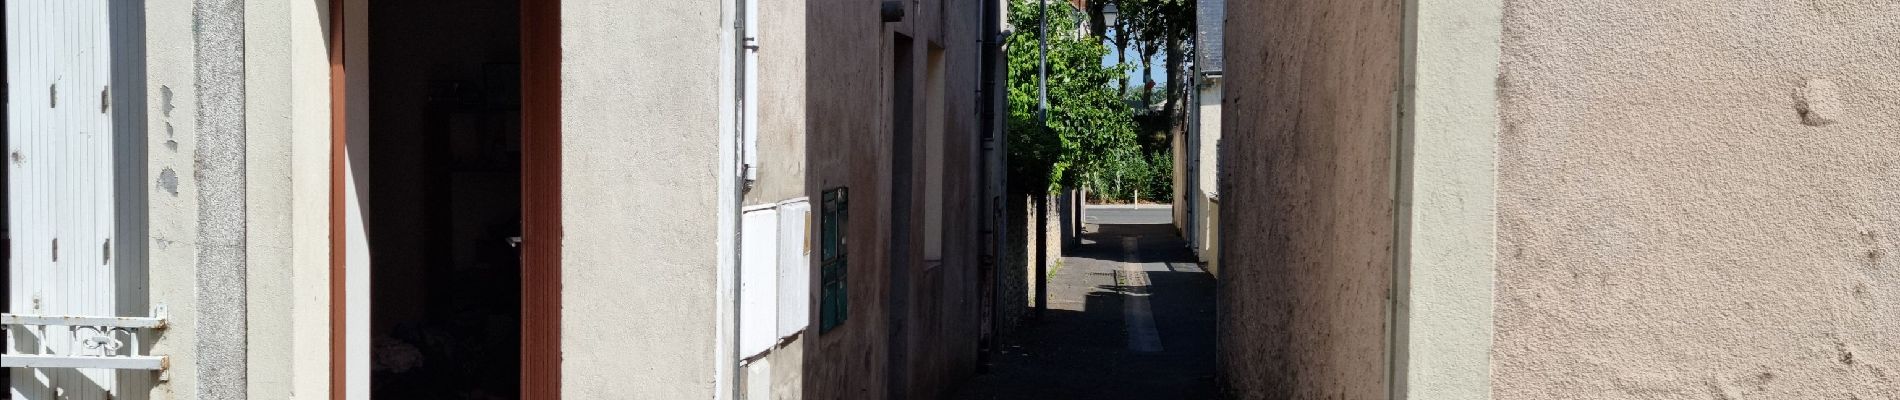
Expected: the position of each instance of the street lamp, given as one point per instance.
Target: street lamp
(1042, 64)
(1109, 13)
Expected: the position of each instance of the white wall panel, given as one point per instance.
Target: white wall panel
(758, 281)
(794, 267)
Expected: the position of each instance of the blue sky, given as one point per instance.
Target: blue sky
(1134, 64)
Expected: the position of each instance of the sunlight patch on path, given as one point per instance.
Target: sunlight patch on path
(1131, 280)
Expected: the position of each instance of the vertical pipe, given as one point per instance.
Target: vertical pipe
(1042, 122)
(1042, 64)
(730, 172)
(986, 113)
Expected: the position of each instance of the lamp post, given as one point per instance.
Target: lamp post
(1042, 65)
(1042, 195)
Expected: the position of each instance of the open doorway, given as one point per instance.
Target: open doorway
(445, 197)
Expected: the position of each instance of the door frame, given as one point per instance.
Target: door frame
(540, 191)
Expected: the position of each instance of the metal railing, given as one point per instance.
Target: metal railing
(95, 342)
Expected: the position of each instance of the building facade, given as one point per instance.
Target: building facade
(502, 199)
(1540, 199)
(1196, 149)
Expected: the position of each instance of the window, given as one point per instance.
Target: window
(833, 302)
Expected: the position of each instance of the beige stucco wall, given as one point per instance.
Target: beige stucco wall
(1206, 238)
(781, 103)
(782, 156)
(287, 120)
(1696, 200)
(1307, 154)
(173, 257)
(640, 123)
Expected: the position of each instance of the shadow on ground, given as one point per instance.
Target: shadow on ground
(1080, 348)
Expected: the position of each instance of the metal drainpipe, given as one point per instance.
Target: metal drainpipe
(992, 172)
(737, 199)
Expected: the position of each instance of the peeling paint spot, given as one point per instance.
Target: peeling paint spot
(55, 249)
(105, 252)
(168, 181)
(165, 91)
(52, 95)
(1818, 102)
(169, 131)
(16, 157)
(105, 99)
(171, 145)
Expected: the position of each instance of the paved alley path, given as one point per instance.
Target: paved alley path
(1131, 316)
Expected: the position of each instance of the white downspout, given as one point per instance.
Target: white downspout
(729, 171)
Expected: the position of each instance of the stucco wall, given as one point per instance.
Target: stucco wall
(781, 103)
(287, 118)
(782, 157)
(640, 129)
(171, 121)
(1696, 200)
(1206, 239)
(849, 120)
(848, 50)
(1307, 187)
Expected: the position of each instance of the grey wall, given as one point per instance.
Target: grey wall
(849, 50)
(1307, 188)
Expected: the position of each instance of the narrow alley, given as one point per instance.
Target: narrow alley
(1131, 316)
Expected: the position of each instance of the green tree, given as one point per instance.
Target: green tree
(1087, 119)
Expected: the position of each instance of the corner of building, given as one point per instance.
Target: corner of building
(1444, 263)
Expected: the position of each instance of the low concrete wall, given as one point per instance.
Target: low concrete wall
(1696, 200)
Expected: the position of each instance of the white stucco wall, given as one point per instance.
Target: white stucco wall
(1447, 178)
(641, 129)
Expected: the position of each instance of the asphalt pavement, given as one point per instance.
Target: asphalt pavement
(1131, 316)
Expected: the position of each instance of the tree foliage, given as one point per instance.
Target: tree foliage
(1087, 119)
(1166, 26)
